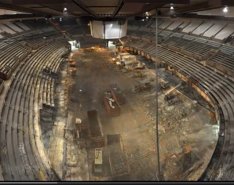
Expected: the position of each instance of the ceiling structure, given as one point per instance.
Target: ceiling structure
(110, 8)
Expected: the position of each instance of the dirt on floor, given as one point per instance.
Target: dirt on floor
(187, 131)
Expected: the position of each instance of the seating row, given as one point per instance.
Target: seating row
(23, 156)
(217, 87)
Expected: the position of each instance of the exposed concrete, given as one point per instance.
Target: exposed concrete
(188, 132)
(181, 125)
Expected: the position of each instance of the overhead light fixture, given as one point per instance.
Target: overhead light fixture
(147, 14)
(65, 13)
(171, 7)
(225, 9)
(172, 10)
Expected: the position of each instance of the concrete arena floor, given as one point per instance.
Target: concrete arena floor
(195, 130)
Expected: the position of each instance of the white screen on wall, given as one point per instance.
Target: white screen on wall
(97, 29)
(108, 29)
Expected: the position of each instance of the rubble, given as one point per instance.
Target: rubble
(180, 120)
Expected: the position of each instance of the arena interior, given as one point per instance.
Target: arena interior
(117, 90)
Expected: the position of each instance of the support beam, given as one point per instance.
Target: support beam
(208, 5)
(59, 12)
(18, 8)
(22, 2)
(221, 2)
(228, 2)
(193, 8)
(149, 7)
(120, 5)
(159, 1)
(85, 9)
(20, 17)
(153, 4)
(102, 6)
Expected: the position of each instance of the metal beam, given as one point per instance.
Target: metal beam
(227, 2)
(198, 7)
(59, 12)
(20, 16)
(18, 8)
(208, 17)
(21, 2)
(120, 5)
(81, 6)
(149, 7)
(102, 6)
(221, 2)
(155, 4)
(214, 3)
(159, 1)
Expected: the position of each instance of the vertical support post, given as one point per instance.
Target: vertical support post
(104, 29)
(157, 115)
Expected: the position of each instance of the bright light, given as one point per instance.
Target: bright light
(60, 19)
(147, 13)
(225, 9)
(172, 7)
(111, 25)
(65, 13)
